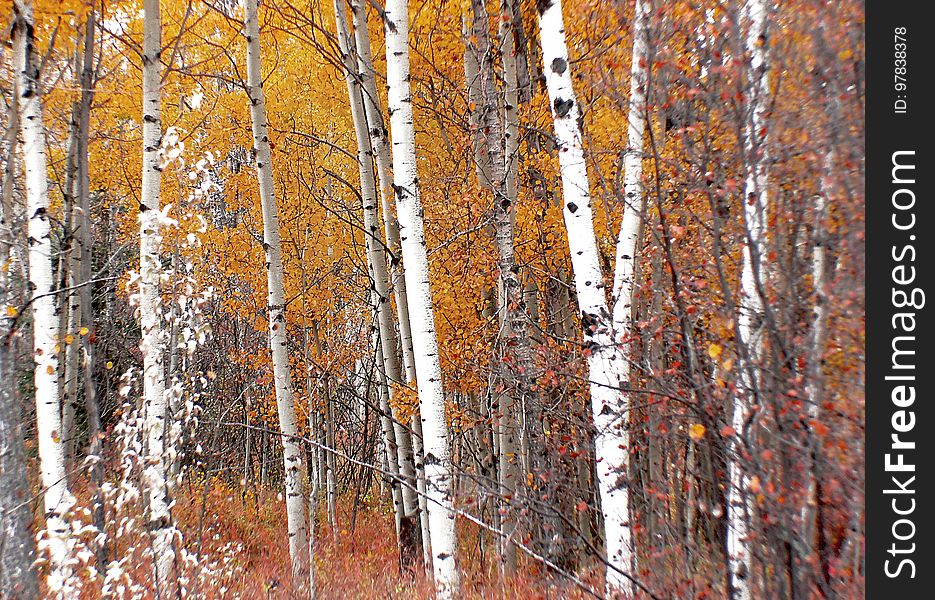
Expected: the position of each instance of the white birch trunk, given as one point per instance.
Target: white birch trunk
(380, 144)
(294, 472)
(68, 300)
(7, 237)
(475, 99)
(17, 573)
(437, 462)
(389, 371)
(152, 344)
(755, 202)
(508, 23)
(376, 258)
(57, 499)
(629, 238)
(605, 358)
(816, 352)
(380, 147)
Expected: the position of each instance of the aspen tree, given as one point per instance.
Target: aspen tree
(380, 148)
(17, 573)
(437, 462)
(152, 344)
(294, 468)
(57, 499)
(376, 260)
(602, 332)
(749, 320)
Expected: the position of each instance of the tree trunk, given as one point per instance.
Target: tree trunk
(749, 321)
(152, 345)
(380, 144)
(606, 358)
(69, 307)
(17, 544)
(376, 259)
(294, 468)
(437, 461)
(57, 498)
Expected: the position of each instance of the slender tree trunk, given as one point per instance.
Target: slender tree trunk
(606, 359)
(161, 528)
(437, 461)
(17, 544)
(69, 306)
(812, 525)
(57, 499)
(294, 469)
(380, 147)
(496, 156)
(380, 144)
(629, 239)
(312, 514)
(749, 321)
(7, 216)
(628, 242)
(472, 78)
(389, 370)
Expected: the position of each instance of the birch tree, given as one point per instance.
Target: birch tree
(380, 148)
(604, 328)
(276, 303)
(17, 545)
(57, 499)
(749, 320)
(376, 261)
(438, 466)
(152, 344)
(494, 119)
(84, 240)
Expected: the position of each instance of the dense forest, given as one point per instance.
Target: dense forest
(432, 299)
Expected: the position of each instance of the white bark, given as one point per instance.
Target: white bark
(437, 462)
(606, 358)
(475, 99)
(376, 258)
(17, 573)
(152, 344)
(816, 351)
(380, 144)
(285, 402)
(57, 499)
(69, 306)
(508, 23)
(380, 148)
(628, 240)
(755, 203)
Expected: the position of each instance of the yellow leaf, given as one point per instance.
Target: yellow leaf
(11, 311)
(83, 331)
(696, 431)
(50, 370)
(755, 485)
(714, 351)
(69, 338)
(109, 365)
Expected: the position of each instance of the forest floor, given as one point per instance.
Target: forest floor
(242, 541)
